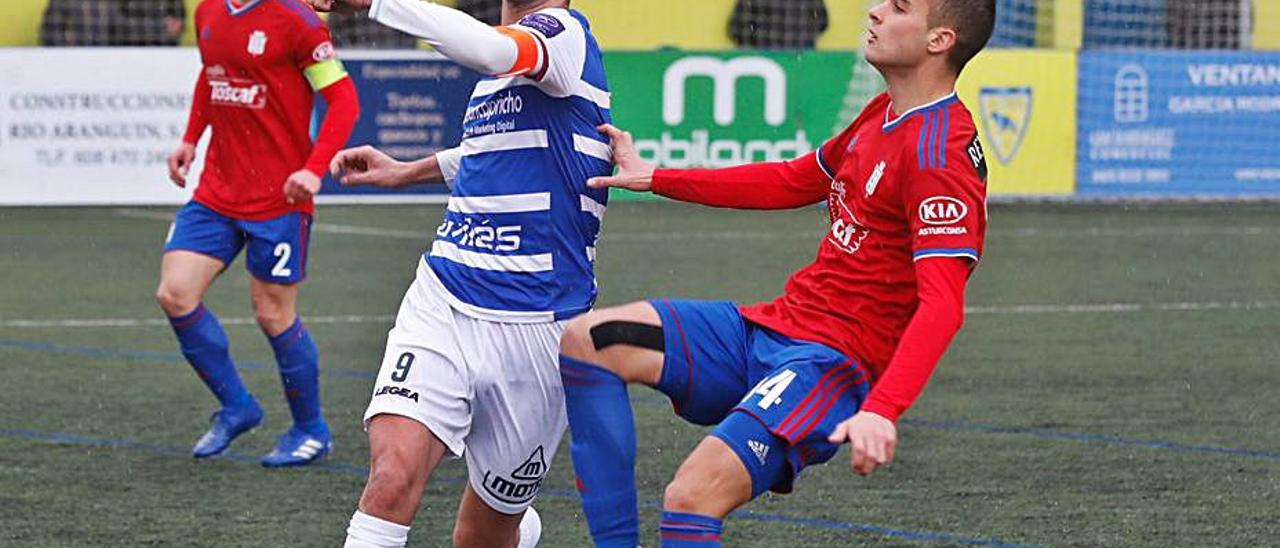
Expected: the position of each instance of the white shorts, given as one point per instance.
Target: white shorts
(490, 391)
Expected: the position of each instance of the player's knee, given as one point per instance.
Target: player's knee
(682, 496)
(175, 303)
(576, 341)
(389, 488)
(468, 533)
(272, 317)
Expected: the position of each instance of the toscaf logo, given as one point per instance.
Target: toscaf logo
(942, 210)
(699, 148)
(239, 93)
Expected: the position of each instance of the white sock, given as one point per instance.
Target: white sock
(530, 529)
(367, 531)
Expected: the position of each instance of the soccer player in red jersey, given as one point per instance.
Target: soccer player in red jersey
(263, 62)
(854, 338)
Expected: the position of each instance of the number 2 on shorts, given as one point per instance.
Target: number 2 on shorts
(283, 251)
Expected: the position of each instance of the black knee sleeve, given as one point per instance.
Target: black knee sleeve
(631, 333)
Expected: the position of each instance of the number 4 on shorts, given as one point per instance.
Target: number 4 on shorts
(771, 389)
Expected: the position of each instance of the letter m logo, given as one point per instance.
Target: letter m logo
(724, 75)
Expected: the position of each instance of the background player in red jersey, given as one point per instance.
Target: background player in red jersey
(264, 60)
(855, 336)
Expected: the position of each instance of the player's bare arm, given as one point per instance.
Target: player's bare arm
(180, 163)
(301, 185)
(871, 437)
(633, 172)
(368, 166)
(340, 6)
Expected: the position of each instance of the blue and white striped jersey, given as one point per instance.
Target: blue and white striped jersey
(517, 243)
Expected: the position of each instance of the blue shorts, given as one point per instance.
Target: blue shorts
(277, 248)
(774, 399)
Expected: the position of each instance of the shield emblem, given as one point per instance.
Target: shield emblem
(1006, 113)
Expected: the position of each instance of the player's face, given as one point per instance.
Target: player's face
(898, 34)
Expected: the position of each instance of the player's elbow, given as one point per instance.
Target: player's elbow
(949, 321)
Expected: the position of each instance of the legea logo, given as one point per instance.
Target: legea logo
(698, 148)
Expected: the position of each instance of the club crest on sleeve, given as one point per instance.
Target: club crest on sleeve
(549, 26)
(942, 210)
(323, 52)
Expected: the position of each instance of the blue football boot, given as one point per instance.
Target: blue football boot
(298, 447)
(228, 423)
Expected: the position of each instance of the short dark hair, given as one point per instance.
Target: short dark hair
(973, 21)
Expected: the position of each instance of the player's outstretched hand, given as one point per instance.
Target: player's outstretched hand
(302, 185)
(340, 6)
(633, 172)
(872, 437)
(180, 162)
(366, 165)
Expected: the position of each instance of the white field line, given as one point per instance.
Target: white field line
(815, 234)
(152, 322)
(318, 227)
(1101, 308)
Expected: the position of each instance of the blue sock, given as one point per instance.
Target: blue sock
(299, 363)
(603, 447)
(680, 530)
(205, 345)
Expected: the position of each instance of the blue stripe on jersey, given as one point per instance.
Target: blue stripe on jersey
(520, 232)
(924, 133)
(946, 252)
(942, 137)
(934, 117)
(307, 14)
(233, 10)
(939, 104)
(822, 164)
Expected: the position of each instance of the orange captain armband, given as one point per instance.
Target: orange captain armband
(530, 59)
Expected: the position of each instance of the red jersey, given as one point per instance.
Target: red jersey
(255, 93)
(899, 188)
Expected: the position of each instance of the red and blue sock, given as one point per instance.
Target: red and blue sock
(604, 451)
(204, 343)
(299, 363)
(681, 530)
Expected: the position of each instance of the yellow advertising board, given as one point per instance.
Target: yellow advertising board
(1024, 103)
(1266, 25)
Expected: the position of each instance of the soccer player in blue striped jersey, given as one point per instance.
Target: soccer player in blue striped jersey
(472, 362)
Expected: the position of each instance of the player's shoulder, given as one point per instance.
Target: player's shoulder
(554, 22)
(945, 138)
(208, 7)
(298, 11)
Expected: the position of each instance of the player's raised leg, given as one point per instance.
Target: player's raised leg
(479, 525)
(420, 411)
(601, 352)
(710, 483)
(402, 455)
(200, 245)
